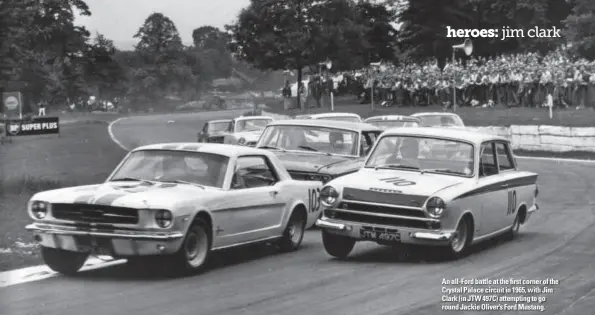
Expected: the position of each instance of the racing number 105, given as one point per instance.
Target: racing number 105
(314, 199)
(511, 202)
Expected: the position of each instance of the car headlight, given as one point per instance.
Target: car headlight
(435, 207)
(321, 178)
(329, 196)
(39, 209)
(242, 141)
(164, 218)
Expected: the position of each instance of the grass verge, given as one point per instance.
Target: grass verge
(83, 154)
(498, 116)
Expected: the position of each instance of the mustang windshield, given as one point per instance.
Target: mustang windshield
(310, 138)
(251, 124)
(432, 155)
(219, 126)
(441, 121)
(386, 124)
(201, 168)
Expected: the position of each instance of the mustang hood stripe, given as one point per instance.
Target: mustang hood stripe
(108, 199)
(83, 198)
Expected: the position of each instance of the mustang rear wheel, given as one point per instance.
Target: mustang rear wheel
(458, 244)
(195, 250)
(294, 232)
(338, 246)
(63, 261)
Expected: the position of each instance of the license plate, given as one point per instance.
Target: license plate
(380, 236)
(100, 246)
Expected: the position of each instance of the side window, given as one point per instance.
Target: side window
(487, 160)
(205, 129)
(504, 155)
(252, 172)
(231, 124)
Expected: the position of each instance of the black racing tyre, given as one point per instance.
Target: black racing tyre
(514, 229)
(294, 232)
(194, 254)
(63, 261)
(338, 246)
(459, 244)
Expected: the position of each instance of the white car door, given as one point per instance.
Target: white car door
(494, 190)
(255, 204)
(508, 175)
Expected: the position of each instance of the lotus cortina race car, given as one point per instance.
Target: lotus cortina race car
(408, 193)
(175, 203)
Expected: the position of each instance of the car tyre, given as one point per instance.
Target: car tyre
(459, 244)
(514, 229)
(63, 261)
(193, 256)
(294, 232)
(338, 246)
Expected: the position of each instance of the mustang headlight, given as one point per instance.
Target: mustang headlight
(329, 196)
(435, 207)
(164, 218)
(321, 178)
(242, 141)
(39, 209)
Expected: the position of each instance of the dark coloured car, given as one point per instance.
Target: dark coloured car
(214, 131)
(319, 149)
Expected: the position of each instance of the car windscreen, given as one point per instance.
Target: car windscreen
(218, 126)
(387, 124)
(310, 138)
(433, 155)
(201, 168)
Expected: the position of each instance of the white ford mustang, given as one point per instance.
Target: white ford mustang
(411, 190)
(176, 202)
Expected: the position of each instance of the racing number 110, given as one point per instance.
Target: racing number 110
(511, 202)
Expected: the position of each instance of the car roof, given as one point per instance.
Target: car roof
(356, 126)
(253, 117)
(450, 133)
(220, 121)
(214, 148)
(434, 114)
(392, 117)
(322, 115)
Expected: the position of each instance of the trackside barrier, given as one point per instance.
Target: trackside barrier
(532, 138)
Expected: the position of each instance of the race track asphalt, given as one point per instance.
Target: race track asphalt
(557, 243)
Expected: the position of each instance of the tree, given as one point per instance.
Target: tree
(581, 28)
(213, 58)
(103, 73)
(165, 70)
(42, 46)
(288, 34)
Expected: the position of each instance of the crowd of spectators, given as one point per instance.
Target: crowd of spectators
(513, 80)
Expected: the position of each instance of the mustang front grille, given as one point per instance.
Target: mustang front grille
(215, 140)
(396, 221)
(94, 213)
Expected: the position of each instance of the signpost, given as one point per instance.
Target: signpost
(13, 104)
(33, 127)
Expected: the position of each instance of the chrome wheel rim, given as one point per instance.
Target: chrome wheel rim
(195, 247)
(460, 238)
(295, 230)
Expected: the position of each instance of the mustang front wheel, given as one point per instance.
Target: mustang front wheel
(194, 253)
(294, 232)
(63, 261)
(338, 246)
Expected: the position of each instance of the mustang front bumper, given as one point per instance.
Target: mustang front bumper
(118, 243)
(406, 235)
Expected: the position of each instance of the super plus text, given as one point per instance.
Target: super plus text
(503, 33)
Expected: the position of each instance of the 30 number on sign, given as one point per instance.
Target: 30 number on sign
(314, 199)
(511, 202)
